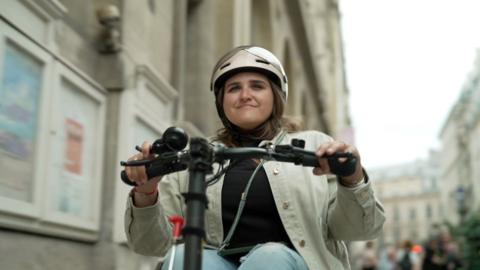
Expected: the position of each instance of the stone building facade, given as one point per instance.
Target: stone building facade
(410, 195)
(460, 152)
(83, 82)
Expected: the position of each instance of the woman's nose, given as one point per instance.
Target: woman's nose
(245, 93)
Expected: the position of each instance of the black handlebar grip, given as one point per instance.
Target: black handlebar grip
(342, 169)
(126, 180)
(154, 170)
(151, 171)
(310, 161)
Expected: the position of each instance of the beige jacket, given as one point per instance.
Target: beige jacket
(318, 214)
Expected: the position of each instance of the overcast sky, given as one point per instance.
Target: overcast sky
(406, 62)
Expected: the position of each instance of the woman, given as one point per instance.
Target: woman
(293, 218)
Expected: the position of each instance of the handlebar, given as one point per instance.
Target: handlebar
(199, 159)
(177, 161)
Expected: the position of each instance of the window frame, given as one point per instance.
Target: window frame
(35, 216)
(150, 96)
(8, 205)
(63, 73)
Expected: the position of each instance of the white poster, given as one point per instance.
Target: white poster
(75, 153)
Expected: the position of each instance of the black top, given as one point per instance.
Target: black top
(260, 221)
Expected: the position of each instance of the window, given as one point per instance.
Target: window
(397, 234)
(51, 142)
(146, 113)
(20, 93)
(24, 74)
(429, 213)
(413, 213)
(74, 175)
(396, 214)
(413, 234)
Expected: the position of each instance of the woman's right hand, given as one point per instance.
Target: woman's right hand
(138, 174)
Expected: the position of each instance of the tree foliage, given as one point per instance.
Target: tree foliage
(469, 231)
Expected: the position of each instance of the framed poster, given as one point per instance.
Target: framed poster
(24, 76)
(19, 97)
(74, 180)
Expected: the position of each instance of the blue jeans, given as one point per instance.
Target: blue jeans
(268, 256)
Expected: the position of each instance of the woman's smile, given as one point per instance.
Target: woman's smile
(247, 106)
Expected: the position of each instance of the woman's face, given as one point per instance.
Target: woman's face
(247, 99)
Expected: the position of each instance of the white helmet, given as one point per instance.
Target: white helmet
(249, 58)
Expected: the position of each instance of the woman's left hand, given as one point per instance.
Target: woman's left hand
(342, 147)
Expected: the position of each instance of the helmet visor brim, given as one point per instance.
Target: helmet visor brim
(268, 56)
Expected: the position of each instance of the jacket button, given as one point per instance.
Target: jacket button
(276, 171)
(285, 205)
(302, 243)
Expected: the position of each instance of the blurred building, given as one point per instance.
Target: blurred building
(83, 82)
(411, 197)
(460, 152)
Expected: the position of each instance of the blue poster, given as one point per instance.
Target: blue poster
(19, 99)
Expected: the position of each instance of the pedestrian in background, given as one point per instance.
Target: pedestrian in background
(442, 253)
(368, 258)
(406, 258)
(388, 259)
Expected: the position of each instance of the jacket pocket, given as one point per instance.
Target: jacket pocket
(337, 249)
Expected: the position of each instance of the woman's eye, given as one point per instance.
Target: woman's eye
(257, 86)
(233, 88)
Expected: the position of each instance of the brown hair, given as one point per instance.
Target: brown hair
(265, 131)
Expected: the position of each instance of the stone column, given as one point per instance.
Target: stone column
(197, 101)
